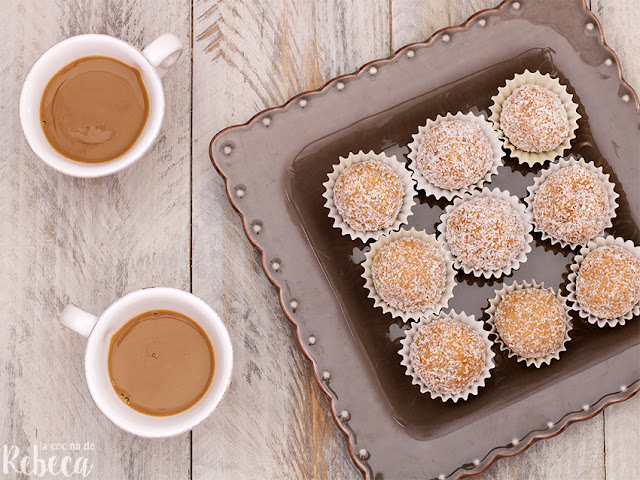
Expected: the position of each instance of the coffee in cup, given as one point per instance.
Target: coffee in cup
(94, 109)
(157, 361)
(161, 362)
(87, 136)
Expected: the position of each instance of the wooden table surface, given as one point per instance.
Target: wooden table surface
(166, 221)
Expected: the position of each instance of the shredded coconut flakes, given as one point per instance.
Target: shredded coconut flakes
(368, 195)
(409, 274)
(531, 322)
(447, 355)
(572, 205)
(485, 233)
(608, 282)
(534, 119)
(454, 154)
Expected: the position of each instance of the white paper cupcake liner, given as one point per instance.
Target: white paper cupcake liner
(575, 267)
(524, 216)
(450, 282)
(553, 84)
(487, 130)
(471, 322)
(571, 160)
(408, 200)
(493, 305)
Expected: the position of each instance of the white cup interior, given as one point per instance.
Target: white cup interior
(96, 361)
(52, 61)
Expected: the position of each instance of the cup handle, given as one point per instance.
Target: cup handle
(78, 320)
(163, 52)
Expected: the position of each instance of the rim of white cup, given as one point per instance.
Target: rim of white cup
(74, 168)
(189, 419)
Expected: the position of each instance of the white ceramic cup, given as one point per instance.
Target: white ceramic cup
(153, 62)
(100, 330)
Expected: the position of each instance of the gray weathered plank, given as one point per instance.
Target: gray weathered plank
(576, 453)
(85, 241)
(250, 55)
(620, 20)
(622, 422)
(416, 20)
(622, 440)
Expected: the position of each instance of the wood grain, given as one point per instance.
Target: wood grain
(618, 18)
(91, 241)
(622, 422)
(85, 241)
(622, 440)
(250, 55)
(416, 20)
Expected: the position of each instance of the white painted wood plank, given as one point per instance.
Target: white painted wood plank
(622, 439)
(577, 453)
(416, 20)
(620, 20)
(249, 55)
(85, 241)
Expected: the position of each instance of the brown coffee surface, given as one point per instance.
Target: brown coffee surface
(161, 362)
(94, 109)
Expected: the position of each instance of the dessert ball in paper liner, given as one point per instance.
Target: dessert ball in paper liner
(454, 154)
(572, 202)
(448, 356)
(604, 283)
(487, 232)
(530, 322)
(408, 274)
(535, 116)
(368, 195)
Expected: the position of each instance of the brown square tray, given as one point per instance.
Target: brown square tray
(275, 165)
